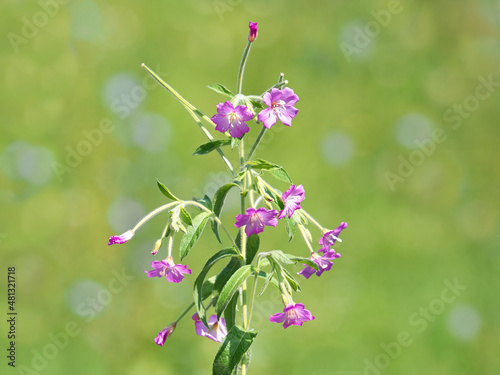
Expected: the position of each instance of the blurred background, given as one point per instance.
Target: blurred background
(397, 134)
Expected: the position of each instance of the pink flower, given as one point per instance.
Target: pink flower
(281, 104)
(232, 119)
(324, 262)
(173, 272)
(329, 238)
(122, 238)
(292, 315)
(217, 331)
(255, 220)
(164, 333)
(253, 31)
(292, 199)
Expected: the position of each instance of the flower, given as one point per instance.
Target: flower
(292, 315)
(324, 263)
(255, 220)
(122, 238)
(280, 103)
(292, 198)
(164, 333)
(232, 119)
(173, 272)
(253, 31)
(217, 331)
(329, 238)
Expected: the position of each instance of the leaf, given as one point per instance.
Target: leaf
(291, 280)
(206, 201)
(291, 227)
(166, 192)
(297, 259)
(199, 282)
(232, 286)
(235, 142)
(252, 247)
(226, 273)
(276, 170)
(279, 257)
(193, 233)
(232, 350)
(215, 228)
(221, 89)
(220, 196)
(207, 288)
(185, 216)
(230, 311)
(211, 146)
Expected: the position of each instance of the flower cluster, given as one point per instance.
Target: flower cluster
(262, 205)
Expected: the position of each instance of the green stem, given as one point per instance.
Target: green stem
(304, 235)
(184, 312)
(154, 213)
(256, 142)
(252, 297)
(192, 110)
(312, 220)
(241, 70)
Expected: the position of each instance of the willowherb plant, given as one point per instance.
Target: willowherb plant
(262, 205)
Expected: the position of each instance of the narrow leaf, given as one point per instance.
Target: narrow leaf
(232, 350)
(276, 170)
(252, 247)
(193, 233)
(231, 287)
(185, 216)
(206, 201)
(166, 192)
(211, 146)
(220, 196)
(230, 311)
(291, 280)
(226, 273)
(199, 283)
(279, 257)
(221, 89)
(291, 227)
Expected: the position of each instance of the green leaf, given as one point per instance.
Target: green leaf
(185, 216)
(193, 233)
(211, 146)
(297, 259)
(232, 350)
(166, 192)
(220, 196)
(230, 311)
(206, 201)
(252, 247)
(221, 89)
(208, 287)
(279, 257)
(291, 280)
(231, 287)
(276, 170)
(226, 273)
(291, 227)
(199, 282)
(235, 142)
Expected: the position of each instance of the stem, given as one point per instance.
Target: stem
(184, 312)
(241, 69)
(192, 110)
(256, 142)
(304, 235)
(244, 307)
(312, 220)
(154, 213)
(252, 297)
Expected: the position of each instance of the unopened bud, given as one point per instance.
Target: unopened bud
(253, 31)
(156, 247)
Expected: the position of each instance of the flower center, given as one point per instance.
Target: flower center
(277, 104)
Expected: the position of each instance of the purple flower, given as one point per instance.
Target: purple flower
(329, 238)
(255, 220)
(122, 238)
(232, 119)
(292, 198)
(280, 103)
(217, 331)
(292, 315)
(253, 31)
(173, 272)
(324, 262)
(164, 333)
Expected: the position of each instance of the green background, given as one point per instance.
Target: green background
(361, 115)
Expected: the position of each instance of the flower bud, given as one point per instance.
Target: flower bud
(156, 247)
(253, 31)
